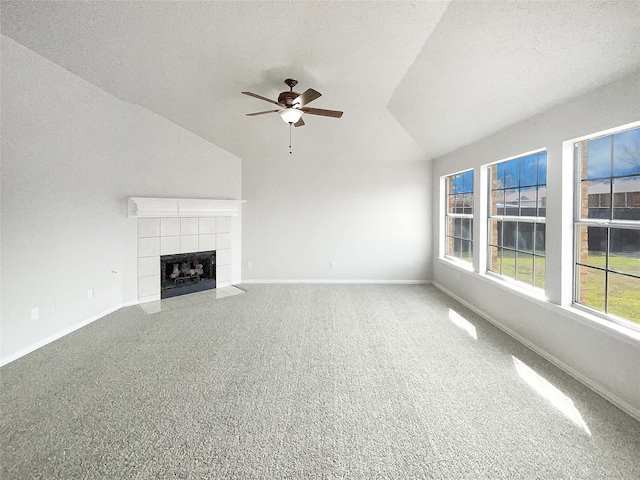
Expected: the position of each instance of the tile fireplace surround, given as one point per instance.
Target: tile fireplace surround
(169, 226)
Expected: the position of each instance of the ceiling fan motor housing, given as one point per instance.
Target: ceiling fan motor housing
(287, 98)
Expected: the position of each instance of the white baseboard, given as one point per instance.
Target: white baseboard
(599, 389)
(62, 333)
(381, 282)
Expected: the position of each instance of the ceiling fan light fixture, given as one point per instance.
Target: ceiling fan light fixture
(290, 114)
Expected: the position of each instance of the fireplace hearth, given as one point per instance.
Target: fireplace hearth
(187, 273)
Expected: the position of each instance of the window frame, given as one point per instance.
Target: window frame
(609, 224)
(533, 220)
(445, 237)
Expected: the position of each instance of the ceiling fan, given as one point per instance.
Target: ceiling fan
(293, 105)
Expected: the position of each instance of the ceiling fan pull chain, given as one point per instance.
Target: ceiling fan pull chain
(290, 138)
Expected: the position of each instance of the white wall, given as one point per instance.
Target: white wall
(605, 358)
(370, 217)
(71, 156)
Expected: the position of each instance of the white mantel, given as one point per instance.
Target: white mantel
(142, 207)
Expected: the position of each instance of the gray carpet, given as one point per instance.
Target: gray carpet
(305, 382)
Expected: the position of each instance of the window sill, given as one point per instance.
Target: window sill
(466, 266)
(573, 312)
(520, 288)
(593, 318)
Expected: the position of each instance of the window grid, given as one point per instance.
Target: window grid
(607, 233)
(517, 210)
(459, 216)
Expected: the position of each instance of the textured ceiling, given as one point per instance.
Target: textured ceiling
(488, 65)
(189, 61)
(449, 74)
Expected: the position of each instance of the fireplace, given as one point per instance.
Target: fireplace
(187, 273)
(173, 226)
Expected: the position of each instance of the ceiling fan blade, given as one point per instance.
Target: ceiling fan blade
(299, 123)
(255, 95)
(307, 97)
(261, 113)
(320, 111)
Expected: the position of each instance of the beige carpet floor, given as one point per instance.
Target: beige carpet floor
(304, 382)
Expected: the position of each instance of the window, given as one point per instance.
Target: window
(517, 210)
(459, 216)
(607, 227)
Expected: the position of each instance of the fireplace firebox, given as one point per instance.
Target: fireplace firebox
(187, 273)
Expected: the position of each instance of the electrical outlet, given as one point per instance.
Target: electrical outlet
(332, 264)
(35, 313)
(249, 264)
(90, 293)
(409, 264)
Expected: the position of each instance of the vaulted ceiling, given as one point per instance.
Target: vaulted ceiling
(415, 79)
